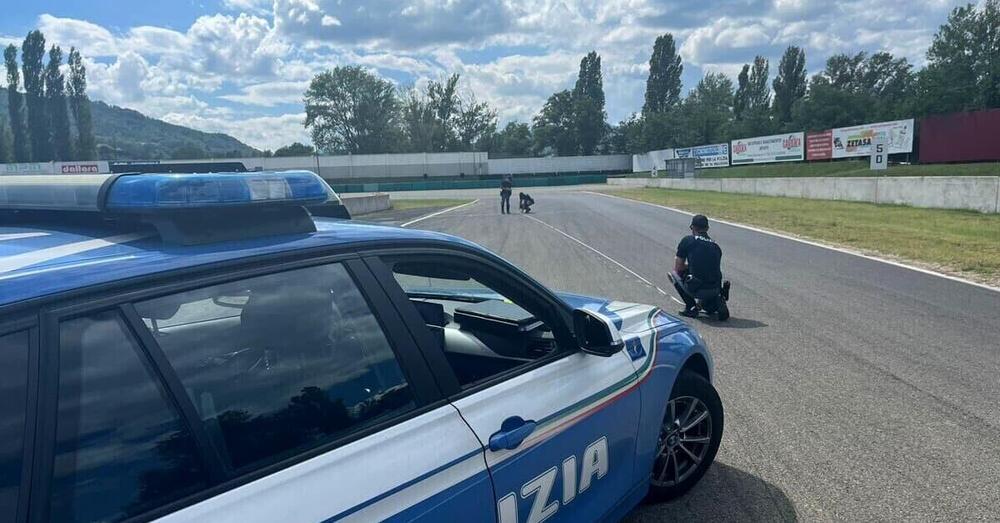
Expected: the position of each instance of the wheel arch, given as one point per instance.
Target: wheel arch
(698, 364)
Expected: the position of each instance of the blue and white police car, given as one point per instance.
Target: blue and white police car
(201, 348)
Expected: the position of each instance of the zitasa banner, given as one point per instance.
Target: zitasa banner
(788, 147)
(849, 142)
(715, 155)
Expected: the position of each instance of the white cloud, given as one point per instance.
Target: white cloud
(269, 94)
(242, 45)
(238, 70)
(91, 39)
(262, 132)
(258, 7)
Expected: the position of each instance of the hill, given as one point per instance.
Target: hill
(130, 135)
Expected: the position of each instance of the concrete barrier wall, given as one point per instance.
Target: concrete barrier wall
(367, 166)
(562, 164)
(359, 205)
(978, 193)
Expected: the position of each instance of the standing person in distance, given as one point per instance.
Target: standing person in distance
(506, 189)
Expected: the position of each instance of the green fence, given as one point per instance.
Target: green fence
(547, 181)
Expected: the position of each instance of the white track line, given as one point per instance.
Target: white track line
(433, 214)
(599, 253)
(814, 244)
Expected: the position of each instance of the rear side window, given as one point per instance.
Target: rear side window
(13, 398)
(299, 362)
(121, 448)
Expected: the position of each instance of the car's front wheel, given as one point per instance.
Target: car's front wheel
(689, 437)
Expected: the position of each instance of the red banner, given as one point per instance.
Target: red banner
(961, 137)
(819, 146)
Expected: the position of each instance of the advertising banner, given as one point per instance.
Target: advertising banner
(960, 137)
(81, 167)
(819, 146)
(855, 141)
(765, 149)
(24, 168)
(715, 155)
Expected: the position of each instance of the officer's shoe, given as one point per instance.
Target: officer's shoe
(690, 313)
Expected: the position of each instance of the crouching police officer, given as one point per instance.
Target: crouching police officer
(697, 273)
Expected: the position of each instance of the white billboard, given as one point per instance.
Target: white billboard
(715, 155)
(788, 147)
(857, 140)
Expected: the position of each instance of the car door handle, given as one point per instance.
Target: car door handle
(512, 433)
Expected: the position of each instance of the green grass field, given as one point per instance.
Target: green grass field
(846, 168)
(404, 204)
(963, 242)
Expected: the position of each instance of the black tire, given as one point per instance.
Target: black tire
(689, 386)
(723, 310)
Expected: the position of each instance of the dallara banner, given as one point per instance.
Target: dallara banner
(715, 155)
(764, 149)
(857, 141)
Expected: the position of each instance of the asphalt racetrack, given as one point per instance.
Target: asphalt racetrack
(854, 390)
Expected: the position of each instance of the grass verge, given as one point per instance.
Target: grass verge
(957, 242)
(416, 203)
(846, 168)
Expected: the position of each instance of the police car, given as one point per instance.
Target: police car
(201, 348)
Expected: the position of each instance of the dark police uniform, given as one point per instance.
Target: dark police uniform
(506, 188)
(704, 258)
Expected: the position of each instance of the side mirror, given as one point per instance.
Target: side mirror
(596, 334)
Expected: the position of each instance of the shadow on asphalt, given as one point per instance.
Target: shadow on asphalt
(725, 493)
(733, 323)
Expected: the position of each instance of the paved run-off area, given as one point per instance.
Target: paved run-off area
(854, 390)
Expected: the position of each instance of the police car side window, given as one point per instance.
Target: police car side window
(121, 448)
(481, 324)
(13, 397)
(302, 363)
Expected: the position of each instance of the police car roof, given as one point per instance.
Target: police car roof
(43, 260)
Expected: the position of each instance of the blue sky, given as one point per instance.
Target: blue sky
(241, 66)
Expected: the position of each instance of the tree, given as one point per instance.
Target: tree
(188, 151)
(475, 125)
(86, 145)
(588, 104)
(6, 144)
(826, 106)
(440, 119)
(32, 52)
(626, 137)
(295, 149)
(55, 104)
(752, 101)
(790, 83)
(758, 93)
(445, 105)
(889, 82)
(554, 127)
(854, 89)
(709, 109)
(663, 87)
(418, 121)
(742, 92)
(20, 137)
(963, 62)
(846, 72)
(513, 140)
(349, 109)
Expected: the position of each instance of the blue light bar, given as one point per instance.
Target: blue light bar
(150, 192)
